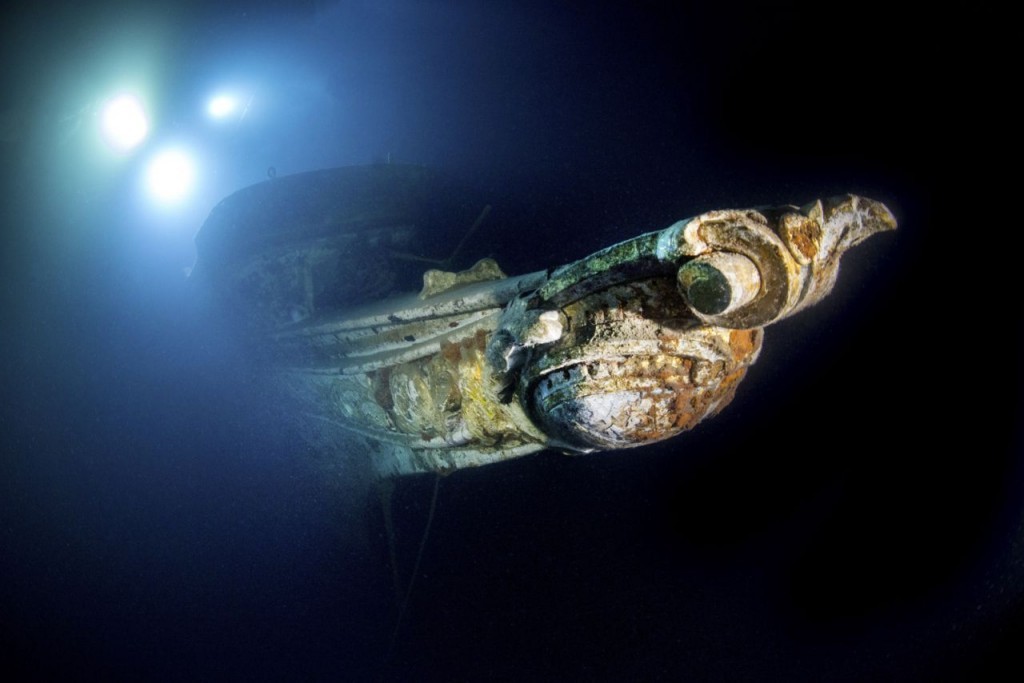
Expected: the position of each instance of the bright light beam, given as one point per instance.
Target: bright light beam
(170, 176)
(124, 122)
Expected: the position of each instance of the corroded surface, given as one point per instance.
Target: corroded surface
(437, 281)
(631, 345)
(635, 368)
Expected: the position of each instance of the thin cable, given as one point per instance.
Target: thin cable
(469, 233)
(386, 488)
(416, 567)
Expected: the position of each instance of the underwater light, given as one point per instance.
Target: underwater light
(171, 175)
(222, 106)
(124, 123)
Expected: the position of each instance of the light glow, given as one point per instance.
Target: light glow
(124, 122)
(222, 106)
(171, 176)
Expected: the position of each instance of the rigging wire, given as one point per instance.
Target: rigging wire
(416, 567)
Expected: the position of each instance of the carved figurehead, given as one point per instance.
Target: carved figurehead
(630, 345)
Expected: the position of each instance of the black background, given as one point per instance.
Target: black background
(855, 513)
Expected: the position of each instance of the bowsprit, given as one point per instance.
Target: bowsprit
(628, 346)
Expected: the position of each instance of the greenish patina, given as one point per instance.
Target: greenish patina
(630, 345)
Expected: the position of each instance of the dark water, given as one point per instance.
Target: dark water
(855, 514)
